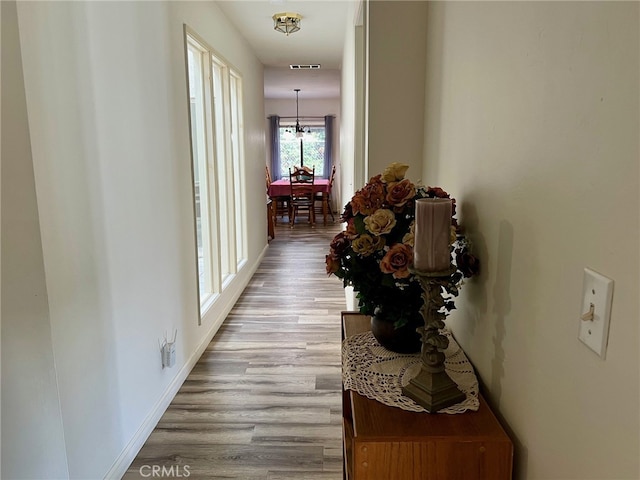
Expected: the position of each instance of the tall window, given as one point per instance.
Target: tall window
(308, 150)
(215, 104)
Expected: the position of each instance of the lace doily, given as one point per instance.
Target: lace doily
(379, 374)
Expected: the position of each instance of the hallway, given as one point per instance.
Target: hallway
(263, 402)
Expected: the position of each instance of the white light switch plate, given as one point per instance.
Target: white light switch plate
(597, 290)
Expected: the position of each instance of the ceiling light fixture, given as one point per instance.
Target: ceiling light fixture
(286, 22)
(299, 130)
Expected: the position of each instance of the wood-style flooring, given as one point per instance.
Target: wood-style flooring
(264, 402)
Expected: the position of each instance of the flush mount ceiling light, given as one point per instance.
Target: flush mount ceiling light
(286, 22)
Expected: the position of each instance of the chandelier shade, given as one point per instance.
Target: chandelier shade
(286, 22)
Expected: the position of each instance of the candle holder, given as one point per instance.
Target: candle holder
(432, 387)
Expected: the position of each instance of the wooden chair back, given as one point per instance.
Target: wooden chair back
(333, 175)
(302, 174)
(301, 181)
(323, 199)
(268, 176)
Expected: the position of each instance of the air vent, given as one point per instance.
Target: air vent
(305, 67)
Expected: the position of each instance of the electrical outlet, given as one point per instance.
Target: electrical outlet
(597, 296)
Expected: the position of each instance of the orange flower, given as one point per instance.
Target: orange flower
(351, 232)
(399, 193)
(333, 264)
(397, 261)
(369, 198)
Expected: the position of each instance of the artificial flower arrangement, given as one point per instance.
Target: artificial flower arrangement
(375, 251)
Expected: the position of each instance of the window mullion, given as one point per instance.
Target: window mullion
(214, 231)
(229, 161)
(205, 199)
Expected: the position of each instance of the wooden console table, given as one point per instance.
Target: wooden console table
(388, 443)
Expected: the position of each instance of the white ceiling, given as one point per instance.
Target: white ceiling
(319, 41)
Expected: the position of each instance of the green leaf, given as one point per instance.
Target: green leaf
(358, 222)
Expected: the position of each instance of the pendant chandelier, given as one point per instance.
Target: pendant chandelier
(299, 130)
(286, 22)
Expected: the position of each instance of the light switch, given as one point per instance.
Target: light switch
(595, 313)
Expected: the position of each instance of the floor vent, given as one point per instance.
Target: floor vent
(305, 67)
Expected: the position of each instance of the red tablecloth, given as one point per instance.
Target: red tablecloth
(282, 188)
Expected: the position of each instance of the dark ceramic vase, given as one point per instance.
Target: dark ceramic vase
(400, 340)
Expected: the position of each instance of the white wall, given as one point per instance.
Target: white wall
(353, 90)
(107, 109)
(532, 124)
(311, 107)
(31, 420)
(396, 85)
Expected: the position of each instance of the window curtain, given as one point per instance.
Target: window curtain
(274, 135)
(328, 144)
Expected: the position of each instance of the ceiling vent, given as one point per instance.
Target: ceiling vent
(305, 67)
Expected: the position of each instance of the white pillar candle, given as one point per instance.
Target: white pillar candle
(431, 251)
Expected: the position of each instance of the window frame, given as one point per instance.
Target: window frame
(290, 125)
(223, 231)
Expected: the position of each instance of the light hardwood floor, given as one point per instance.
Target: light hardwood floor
(264, 402)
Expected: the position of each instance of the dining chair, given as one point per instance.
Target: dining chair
(323, 197)
(268, 176)
(306, 168)
(280, 204)
(302, 197)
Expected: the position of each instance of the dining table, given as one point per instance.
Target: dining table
(282, 188)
